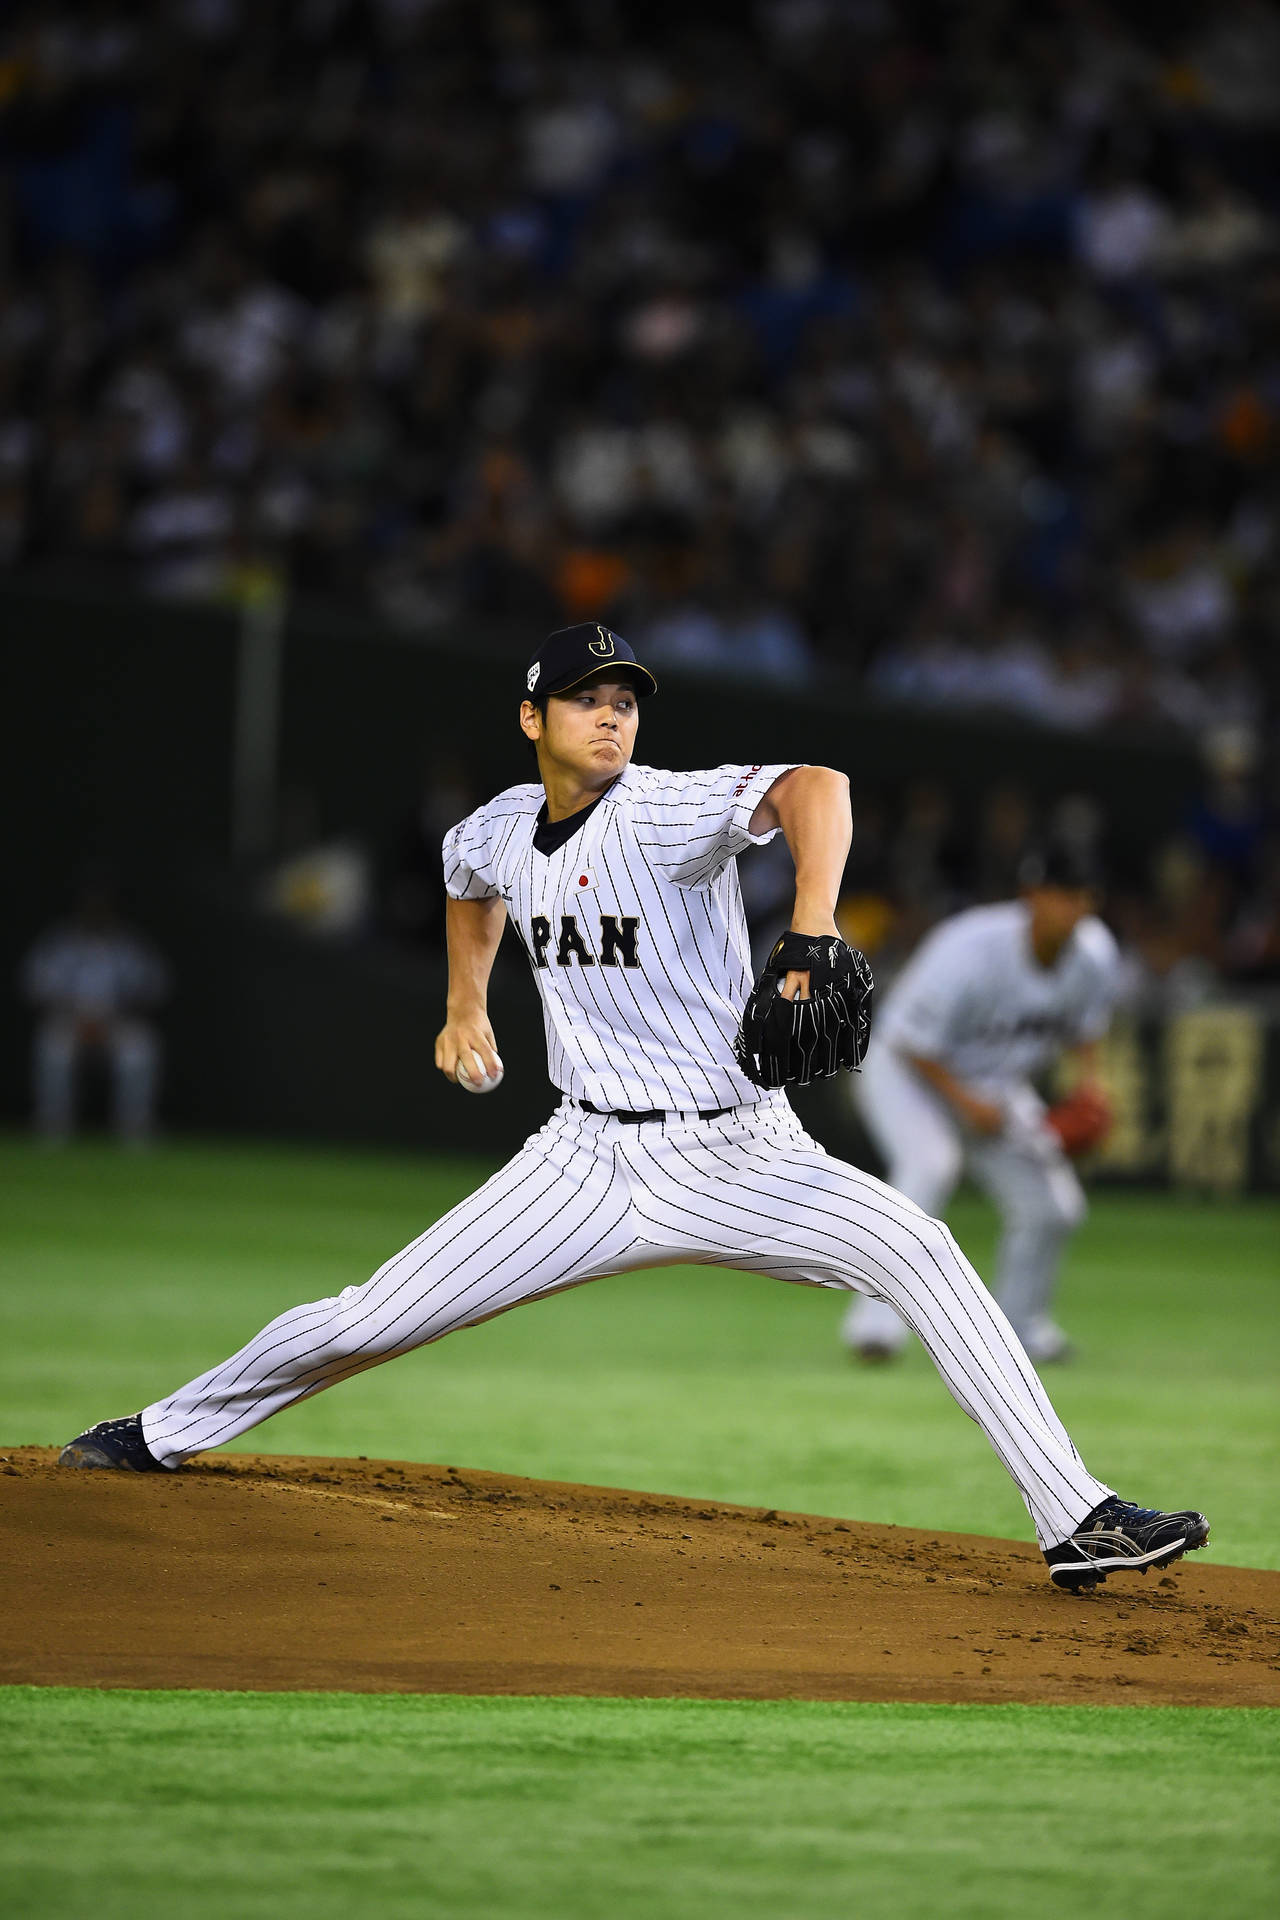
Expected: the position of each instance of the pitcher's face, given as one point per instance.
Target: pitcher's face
(588, 732)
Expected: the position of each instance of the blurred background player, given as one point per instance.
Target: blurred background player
(94, 980)
(989, 1002)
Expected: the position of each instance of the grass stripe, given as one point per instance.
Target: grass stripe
(338, 1807)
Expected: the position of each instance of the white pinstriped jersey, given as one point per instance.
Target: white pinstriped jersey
(634, 929)
(974, 997)
(632, 918)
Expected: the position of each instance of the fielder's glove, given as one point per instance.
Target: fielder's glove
(1081, 1120)
(785, 1043)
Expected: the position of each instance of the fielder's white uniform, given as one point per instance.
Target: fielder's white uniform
(974, 997)
(98, 976)
(632, 919)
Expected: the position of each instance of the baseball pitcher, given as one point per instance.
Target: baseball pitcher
(673, 1140)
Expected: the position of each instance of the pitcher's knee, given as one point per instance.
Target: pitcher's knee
(350, 1343)
(349, 1334)
(938, 1243)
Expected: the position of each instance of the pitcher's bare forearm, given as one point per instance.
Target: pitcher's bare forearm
(473, 929)
(811, 805)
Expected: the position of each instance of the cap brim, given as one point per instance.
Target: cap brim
(613, 670)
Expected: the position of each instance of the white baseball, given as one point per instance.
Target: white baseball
(479, 1081)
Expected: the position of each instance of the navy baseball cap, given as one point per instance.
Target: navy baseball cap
(572, 654)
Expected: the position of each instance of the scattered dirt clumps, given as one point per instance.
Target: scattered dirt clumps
(381, 1576)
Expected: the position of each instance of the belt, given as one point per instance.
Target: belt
(654, 1113)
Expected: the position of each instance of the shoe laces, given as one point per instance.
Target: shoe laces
(1122, 1510)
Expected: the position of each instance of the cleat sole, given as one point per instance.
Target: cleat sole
(81, 1453)
(82, 1456)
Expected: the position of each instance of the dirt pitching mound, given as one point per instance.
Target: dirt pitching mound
(374, 1576)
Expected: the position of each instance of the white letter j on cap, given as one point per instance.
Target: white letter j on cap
(603, 648)
(531, 678)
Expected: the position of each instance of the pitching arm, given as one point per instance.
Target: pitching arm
(811, 805)
(473, 929)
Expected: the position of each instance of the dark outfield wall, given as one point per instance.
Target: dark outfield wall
(117, 722)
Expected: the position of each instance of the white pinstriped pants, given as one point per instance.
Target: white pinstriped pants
(588, 1196)
(1033, 1184)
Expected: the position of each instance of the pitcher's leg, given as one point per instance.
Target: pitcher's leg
(923, 1157)
(540, 1224)
(800, 1215)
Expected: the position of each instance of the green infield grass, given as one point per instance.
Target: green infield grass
(124, 1275)
(129, 1806)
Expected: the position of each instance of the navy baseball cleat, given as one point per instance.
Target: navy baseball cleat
(1119, 1537)
(112, 1443)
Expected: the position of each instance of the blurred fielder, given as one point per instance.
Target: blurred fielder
(988, 1002)
(94, 981)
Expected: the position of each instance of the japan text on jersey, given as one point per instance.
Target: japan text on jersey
(633, 927)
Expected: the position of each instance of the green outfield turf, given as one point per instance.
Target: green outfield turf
(206, 1805)
(124, 1275)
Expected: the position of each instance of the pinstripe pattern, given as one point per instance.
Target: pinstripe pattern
(587, 1196)
(659, 848)
(1032, 1183)
(480, 1258)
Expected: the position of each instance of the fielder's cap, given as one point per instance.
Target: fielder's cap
(572, 654)
(1075, 868)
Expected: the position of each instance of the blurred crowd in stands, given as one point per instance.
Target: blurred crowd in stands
(932, 342)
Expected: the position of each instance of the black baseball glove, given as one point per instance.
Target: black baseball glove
(785, 1043)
